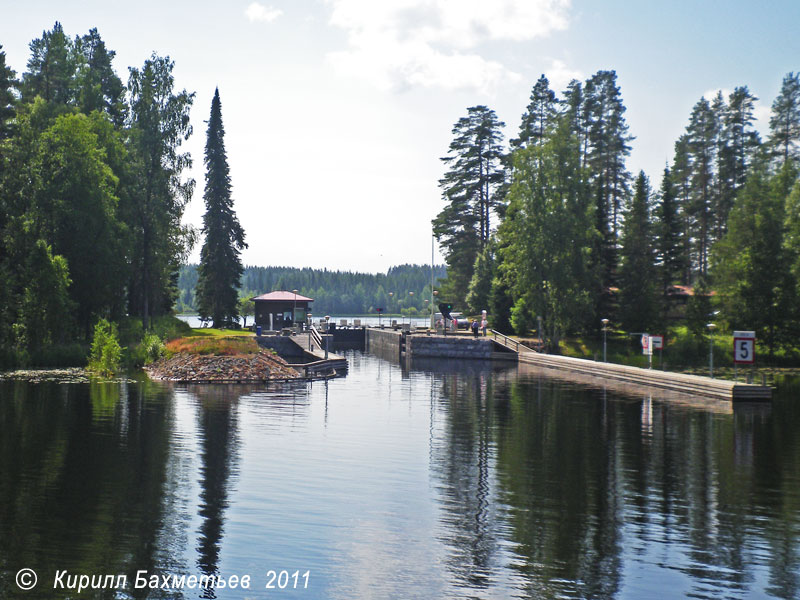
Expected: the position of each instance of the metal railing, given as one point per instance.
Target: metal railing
(505, 340)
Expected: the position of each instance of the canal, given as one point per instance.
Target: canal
(436, 479)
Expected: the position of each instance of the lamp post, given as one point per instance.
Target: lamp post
(390, 302)
(310, 338)
(541, 341)
(294, 311)
(605, 329)
(411, 295)
(711, 327)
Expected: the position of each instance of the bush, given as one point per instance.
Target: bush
(106, 352)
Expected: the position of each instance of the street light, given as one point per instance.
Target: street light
(412, 302)
(310, 337)
(605, 329)
(294, 312)
(711, 327)
(390, 302)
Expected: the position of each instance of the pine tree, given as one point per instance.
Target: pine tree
(220, 268)
(784, 123)
(51, 68)
(701, 138)
(538, 118)
(470, 189)
(7, 98)
(637, 271)
(605, 150)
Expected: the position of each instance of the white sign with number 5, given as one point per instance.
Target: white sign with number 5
(744, 347)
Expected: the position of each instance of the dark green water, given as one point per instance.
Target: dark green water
(443, 480)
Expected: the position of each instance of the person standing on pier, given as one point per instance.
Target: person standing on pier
(474, 326)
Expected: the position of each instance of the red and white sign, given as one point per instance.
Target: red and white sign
(744, 347)
(657, 341)
(647, 345)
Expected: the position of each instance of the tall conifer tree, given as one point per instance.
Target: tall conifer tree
(220, 264)
(471, 189)
(637, 273)
(784, 124)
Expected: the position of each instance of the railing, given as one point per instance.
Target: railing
(505, 340)
(316, 337)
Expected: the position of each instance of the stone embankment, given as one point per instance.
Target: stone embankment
(239, 368)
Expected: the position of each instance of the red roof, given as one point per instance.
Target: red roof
(283, 296)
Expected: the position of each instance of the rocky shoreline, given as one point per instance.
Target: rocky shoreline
(238, 368)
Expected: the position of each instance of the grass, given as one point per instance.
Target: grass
(210, 332)
(216, 344)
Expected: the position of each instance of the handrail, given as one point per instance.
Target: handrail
(505, 340)
(316, 337)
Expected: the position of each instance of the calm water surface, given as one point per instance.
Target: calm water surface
(434, 480)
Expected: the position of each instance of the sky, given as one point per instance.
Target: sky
(337, 112)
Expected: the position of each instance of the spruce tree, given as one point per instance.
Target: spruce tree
(637, 273)
(668, 236)
(220, 264)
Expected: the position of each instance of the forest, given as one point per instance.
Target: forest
(92, 191)
(554, 225)
(334, 292)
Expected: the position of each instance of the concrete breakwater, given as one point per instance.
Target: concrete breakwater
(694, 385)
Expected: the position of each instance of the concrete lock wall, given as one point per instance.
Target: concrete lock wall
(449, 347)
(384, 343)
(284, 346)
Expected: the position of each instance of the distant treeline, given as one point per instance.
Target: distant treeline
(402, 289)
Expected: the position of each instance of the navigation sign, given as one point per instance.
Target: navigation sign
(647, 345)
(657, 341)
(744, 347)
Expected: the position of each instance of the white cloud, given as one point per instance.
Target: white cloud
(258, 12)
(434, 43)
(559, 75)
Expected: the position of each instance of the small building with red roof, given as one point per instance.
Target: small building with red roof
(280, 309)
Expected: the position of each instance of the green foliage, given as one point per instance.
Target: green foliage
(470, 190)
(159, 122)
(8, 100)
(45, 305)
(220, 268)
(752, 267)
(637, 275)
(698, 310)
(521, 318)
(784, 124)
(480, 285)
(546, 235)
(247, 308)
(106, 354)
(500, 304)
